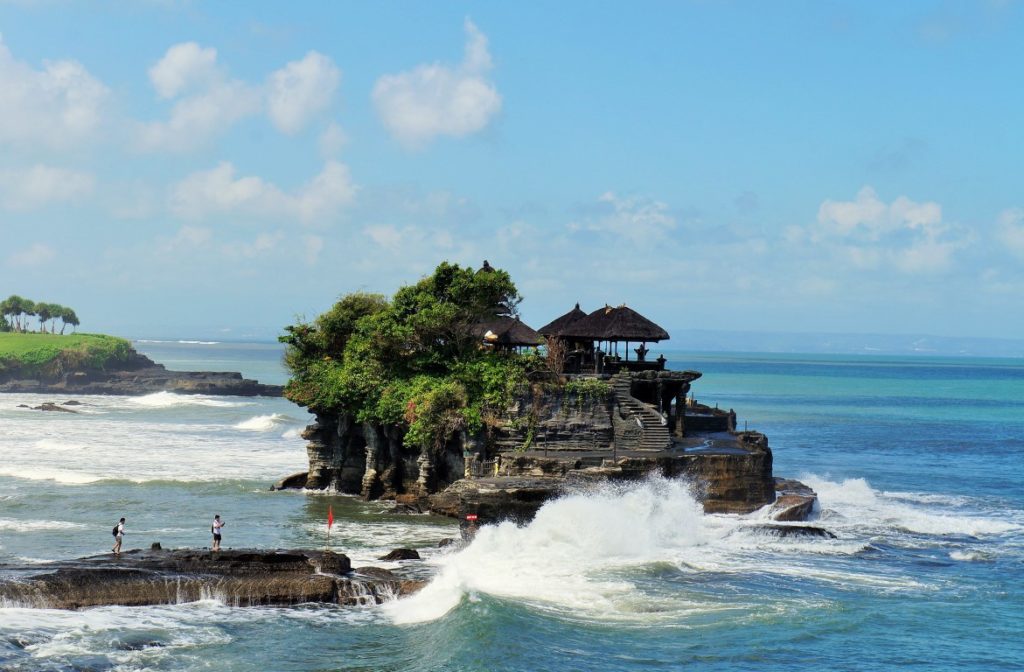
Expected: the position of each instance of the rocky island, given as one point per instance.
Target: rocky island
(100, 364)
(440, 400)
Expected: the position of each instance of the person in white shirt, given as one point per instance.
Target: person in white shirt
(118, 536)
(215, 528)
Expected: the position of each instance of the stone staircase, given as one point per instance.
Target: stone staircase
(654, 434)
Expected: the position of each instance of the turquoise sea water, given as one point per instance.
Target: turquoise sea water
(917, 462)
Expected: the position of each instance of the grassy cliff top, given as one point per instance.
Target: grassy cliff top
(33, 354)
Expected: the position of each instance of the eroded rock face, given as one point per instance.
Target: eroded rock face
(239, 578)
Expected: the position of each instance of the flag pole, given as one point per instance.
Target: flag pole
(330, 522)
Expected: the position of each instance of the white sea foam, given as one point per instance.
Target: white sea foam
(583, 553)
(171, 400)
(969, 556)
(66, 476)
(264, 423)
(855, 502)
(567, 554)
(55, 446)
(293, 433)
(14, 525)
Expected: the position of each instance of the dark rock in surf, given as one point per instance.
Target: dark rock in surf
(400, 554)
(50, 406)
(794, 531)
(794, 501)
(296, 481)
(237, 577)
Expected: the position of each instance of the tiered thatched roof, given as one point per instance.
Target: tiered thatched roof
(507, 331)
(615, 324)
(559, 324)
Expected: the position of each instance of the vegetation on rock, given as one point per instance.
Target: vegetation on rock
(413, 360)
(33, 355)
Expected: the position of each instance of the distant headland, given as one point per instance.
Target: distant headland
(44, 361)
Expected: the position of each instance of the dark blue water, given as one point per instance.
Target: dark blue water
(917, 463)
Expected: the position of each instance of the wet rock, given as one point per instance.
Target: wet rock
(400, 554)
(329, 562)
(794, 501)
(447, 541)
(794, 531)
(296, 481)
(155, 546)
(236, 577)
(72, 402)
(50, 406)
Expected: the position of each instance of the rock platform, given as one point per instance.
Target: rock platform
(237, 577)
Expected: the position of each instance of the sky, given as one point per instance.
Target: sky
(188, 168)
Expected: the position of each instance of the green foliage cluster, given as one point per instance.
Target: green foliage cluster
(414, 360)
(588, 389)
(16, 310)
(35, 354)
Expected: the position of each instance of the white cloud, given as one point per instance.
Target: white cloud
(300, 90)
(433, 100)
(1010, 230)
(632, 218)
(214, 102)
(58, 106)
(218, 192)
(37, 254)
(184, 66)
(870, 218)
(332, 140)
(312, 246)
(263, 244)
(186, 238)
(868, 233)
(42, 185)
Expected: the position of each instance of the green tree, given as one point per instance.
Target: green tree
(415, 360)
(67, 316)
(43, 313)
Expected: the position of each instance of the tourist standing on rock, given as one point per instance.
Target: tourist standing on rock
(118, 536)
(215, 528)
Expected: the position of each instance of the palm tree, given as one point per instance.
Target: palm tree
(68, 316)
(44, 315)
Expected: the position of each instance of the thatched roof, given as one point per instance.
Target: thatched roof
(556, 326)
(615, 324)
(507, 331)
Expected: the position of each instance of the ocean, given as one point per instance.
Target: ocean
(917, 462)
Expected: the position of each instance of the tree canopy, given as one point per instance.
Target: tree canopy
(412, 360)
(16, 310)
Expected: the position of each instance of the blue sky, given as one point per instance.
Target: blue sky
(176, 168)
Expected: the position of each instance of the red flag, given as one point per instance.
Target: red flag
(330, 517)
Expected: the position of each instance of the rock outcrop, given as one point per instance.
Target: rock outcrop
(237, 577)
(550, 438)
